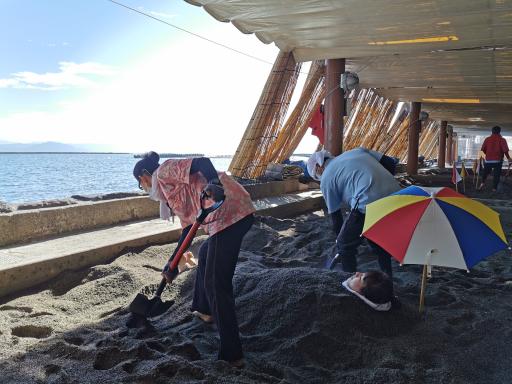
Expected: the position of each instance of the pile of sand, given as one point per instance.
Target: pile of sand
(297, 324)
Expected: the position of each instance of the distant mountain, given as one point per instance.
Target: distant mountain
(51, 146)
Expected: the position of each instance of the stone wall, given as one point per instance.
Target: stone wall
(23, 226)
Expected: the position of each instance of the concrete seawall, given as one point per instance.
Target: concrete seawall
(21, 227)
(24, 266)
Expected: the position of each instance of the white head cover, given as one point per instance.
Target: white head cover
(317, 158)
(378, 307)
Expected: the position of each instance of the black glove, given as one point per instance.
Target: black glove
(214, 190)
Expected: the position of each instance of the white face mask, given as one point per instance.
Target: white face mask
(156, 195)
(154, 191)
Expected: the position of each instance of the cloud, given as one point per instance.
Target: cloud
(70, 75)
(162, 15)
(158, 14)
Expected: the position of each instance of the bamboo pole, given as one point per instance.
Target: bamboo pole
(268, 114)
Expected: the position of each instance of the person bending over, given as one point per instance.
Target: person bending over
(354, 179)
(179, 183)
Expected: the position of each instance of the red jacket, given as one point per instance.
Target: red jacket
(317, 125)
(494, 147)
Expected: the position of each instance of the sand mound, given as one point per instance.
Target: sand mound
(297, 324)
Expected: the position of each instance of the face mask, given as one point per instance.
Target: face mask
(154, 191)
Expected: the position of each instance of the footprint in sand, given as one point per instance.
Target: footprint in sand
(14, 308)
(129, 366)
(186, 350)
(460, 319)
(34, 331)
(39, 314)
(110, 357)
(52, 369)
(74, 340)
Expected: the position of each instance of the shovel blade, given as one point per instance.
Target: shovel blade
(159, 307)
(142, 306)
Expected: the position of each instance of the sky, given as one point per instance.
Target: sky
(93, 72)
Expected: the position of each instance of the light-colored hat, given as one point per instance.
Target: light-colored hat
(317, 158)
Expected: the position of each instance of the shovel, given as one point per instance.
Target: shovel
(141, 307)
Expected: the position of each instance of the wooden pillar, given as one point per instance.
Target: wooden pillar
(414, 138)
(334, 106)
(455, 151)
(449, 146)
(441, 157)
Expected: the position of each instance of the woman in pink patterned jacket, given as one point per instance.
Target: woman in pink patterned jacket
(179, 182)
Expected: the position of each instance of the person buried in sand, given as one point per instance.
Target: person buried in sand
(354, 179)
(374, 288)
(179, 183)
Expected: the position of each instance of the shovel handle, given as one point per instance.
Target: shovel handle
(184, 246)
(192, 232)
(161, 287)
(186, 242)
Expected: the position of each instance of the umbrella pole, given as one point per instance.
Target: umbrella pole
(423, 286)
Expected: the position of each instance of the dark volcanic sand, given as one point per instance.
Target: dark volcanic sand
(297, 324)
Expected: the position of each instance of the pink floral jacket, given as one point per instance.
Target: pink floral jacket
(182, 191)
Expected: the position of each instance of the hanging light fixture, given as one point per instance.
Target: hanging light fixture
(423, 116)
(349, 81)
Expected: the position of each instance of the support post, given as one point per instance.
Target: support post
(441, 157)
(449, 146)
(414, 138)
(455, 150)
(334, 106)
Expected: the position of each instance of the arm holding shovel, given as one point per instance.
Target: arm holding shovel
(213, 192)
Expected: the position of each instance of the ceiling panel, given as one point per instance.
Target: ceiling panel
(408, 50)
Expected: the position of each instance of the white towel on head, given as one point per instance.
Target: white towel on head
(317, 158)
(378, 307)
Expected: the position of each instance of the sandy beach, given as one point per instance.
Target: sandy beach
(297, 324)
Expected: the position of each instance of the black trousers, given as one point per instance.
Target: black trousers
(213, 292)
(349, 238)
(496, 174)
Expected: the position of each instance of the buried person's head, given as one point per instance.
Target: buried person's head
(375, 286)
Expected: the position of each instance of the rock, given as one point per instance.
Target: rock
(5, 208)
(107, 196)
(44, 204)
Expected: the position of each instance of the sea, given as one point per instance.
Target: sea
(27, 177)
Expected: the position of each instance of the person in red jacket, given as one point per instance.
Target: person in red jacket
(494, 147)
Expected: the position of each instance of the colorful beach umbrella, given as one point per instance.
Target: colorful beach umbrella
(417, 220)
(434, 227)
